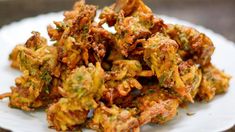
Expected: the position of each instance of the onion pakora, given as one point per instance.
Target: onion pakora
(114, 81)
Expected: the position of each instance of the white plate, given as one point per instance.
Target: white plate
(217, 115)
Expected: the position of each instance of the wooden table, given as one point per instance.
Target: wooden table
(218, 15)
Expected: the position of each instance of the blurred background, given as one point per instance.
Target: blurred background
(218, 15)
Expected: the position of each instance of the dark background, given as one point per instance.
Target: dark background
(218, 15)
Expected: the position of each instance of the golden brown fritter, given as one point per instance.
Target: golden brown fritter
(161, 56)
(77, 35)
(192, 44)
(191, 76)
(113, 119)
(114, 81)
(80, 92)
(132, 20)
(120, 81)
(13, 57)
(38, 63)
(158, 105)
(213, 82)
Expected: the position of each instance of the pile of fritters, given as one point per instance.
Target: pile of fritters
(112, 82)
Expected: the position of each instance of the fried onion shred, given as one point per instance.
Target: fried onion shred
(114, 81)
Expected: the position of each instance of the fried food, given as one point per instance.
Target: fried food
(157, 105)
(193, 44)
(213, 82)
(81, 91)
(113, 119)
(114, 81)
(132, 20)
(38, 63)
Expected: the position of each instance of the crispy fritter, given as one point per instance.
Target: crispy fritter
(132, 20)
(157, 105)
(113, 119)
(191, 76)
(161, 55)
(144, 70)
(193, 44)
(38, 63)
(79, 39)
(13, 57)
(120, 81)
(213, 82)
(80, 92)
